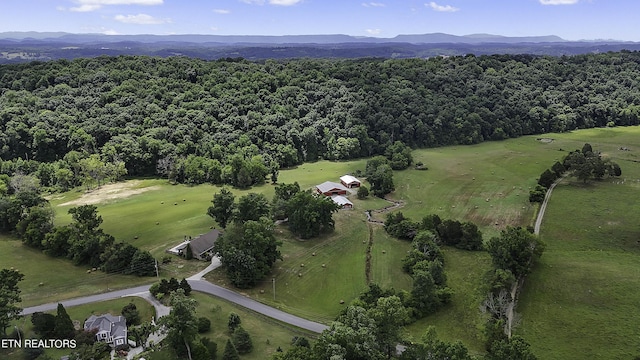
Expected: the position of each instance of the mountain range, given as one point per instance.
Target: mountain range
(27, 46)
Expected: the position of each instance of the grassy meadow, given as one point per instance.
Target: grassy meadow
(582, 299)
(486, 183)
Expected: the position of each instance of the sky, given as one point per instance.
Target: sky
(569, 19)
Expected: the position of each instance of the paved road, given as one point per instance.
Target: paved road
(87, 299)
(197, 285)
(209, 288)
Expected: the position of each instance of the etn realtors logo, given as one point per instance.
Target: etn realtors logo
(38, 343)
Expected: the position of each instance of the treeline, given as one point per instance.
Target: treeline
(25, 213)
(234, 121)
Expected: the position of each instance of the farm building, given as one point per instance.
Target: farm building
(342, 201)
(329, 188)
(201, 247)
(350, 181)
(111, 329)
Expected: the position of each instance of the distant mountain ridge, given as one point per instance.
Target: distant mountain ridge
(272, 39)
(43, 46)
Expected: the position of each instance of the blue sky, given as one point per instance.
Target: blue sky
(569, 19)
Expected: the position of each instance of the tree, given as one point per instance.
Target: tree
(434, 348)
(547, 178)
(310, 214)
(515, 250)
(242, 340)
(390, 316)
(514, 348)
(204, 325)
(230, 352)
(381, 180)
(252, 206)
(142, 332)
(362, 193)
(234, 322)
(64, 326)
(248, 251)
(223, 207)
(131, 314)
(9, 297)
(143, 264)
(181, 323)
(34, 227)
(352, 336)
(44, 324)
(184, 285)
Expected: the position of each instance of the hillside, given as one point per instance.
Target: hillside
(235, 121)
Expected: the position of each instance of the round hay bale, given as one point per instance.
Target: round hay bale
(299, 274)
(41, 284)
(135, 237)
(175, 203)
(161, 202)
(184, 199)
(157, 223)
(261, 291)
(324, 265)
(341, 301)
(301, 265)
(89, 271)
(313, 254)
(384, 251)
(94, 269)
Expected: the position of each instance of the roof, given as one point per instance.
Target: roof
(330, 185)
(204, 242)
(348, 179)
(114, 325)
(341, 200)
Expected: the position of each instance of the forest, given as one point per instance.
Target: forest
(233, 121)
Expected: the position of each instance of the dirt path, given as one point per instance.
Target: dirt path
(394, 205)
(108, 192)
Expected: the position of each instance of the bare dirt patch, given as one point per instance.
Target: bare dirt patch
(111, 192)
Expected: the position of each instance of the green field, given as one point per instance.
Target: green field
(486, 183)
(582, 299)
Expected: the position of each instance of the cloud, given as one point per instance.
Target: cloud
(373, 4)
(445, 8)
(373, 31)
(221, 11)
(558, 2)
(284, 2)
(93, 5)
(141, 19)
(272, 2)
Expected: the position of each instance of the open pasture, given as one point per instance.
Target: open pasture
(582, 299)
(486, 183)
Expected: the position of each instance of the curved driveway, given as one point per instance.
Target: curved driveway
(197, 285)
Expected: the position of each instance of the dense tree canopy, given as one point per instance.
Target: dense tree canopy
(247, 251)
(87, 121)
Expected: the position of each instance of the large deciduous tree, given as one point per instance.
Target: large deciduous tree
(515, 250)
(223, 207)
(310, 214)
(248, 251)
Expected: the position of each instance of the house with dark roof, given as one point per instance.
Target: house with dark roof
(111, 329)
(202, 246)
(350, 181)
(329, 188)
